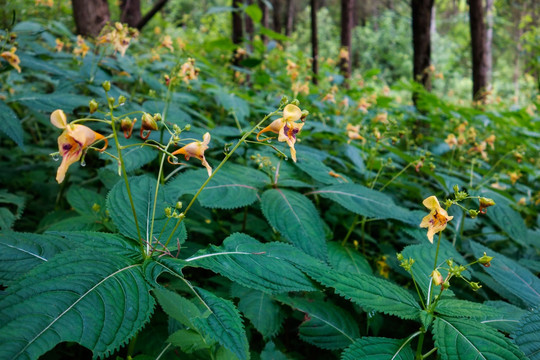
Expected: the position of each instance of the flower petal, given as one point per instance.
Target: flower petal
(292, 113)
(274, 127)
(59, 119)
(432, 203)
(82, 134)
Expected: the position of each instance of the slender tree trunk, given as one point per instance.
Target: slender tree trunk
(90, 16)
(265, 19)
(421, 26)
(290, 17)
(277, 16)
(237, 27)
(478, 45)
(158, 5)
(346, 35)
(248, 21)
(314, 42)
(489, 42)
(130, 12)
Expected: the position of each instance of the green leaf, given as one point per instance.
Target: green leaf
(83, 200)
(232, 187)
(134, 157)
(74, 223)
(249, 263)
(508, 273)
(50, 102)
(271, 353)
(264, 313)
(347, 260)
(254, 12)
(370, 292)
(526, 335)
(325, 325)
(375, 348)
(143, 190)
(467, 339)
(273, 35)
(506, 218)
(295, 217)
(319, 171)
(10, 124)
(223, 325)
(367, 202)
(188, 340)
(102, 241)
(177, 306)
(13, 210)
(353, 153)
(97, 299)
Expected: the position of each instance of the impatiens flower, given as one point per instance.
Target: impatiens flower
(12, 59)
(436, 220)
(196, 149)
(451, 140)
(490, 140)
(382, 118)
(353, 133)
(286, 127)
(167, 42)
(514, 176)
(72, 142)
(188, 72)
(59, 45)
(481, 149)
(82, 48)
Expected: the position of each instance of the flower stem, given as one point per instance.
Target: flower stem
(351, 228)
(418, 355)
(396, 176)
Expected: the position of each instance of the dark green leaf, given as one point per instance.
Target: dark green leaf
(10, 124)
(527, 335)
(375, 348)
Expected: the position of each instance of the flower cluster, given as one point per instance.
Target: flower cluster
(119, 36)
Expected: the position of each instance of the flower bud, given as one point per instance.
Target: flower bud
(305, 113)
(110, 101)
(96, 208)
(475, 286)
(121, 100)
(295, 102)
(437, 277)
(484, 204)
(485, 260)
(168, 212)
(148, 122)
(473, 213)
(127, 126)
(93, 105)
(456, 188)
(284, 100)
(157, 116)
(178, 205)
(187, 127)
(399, 256)
(106, 85)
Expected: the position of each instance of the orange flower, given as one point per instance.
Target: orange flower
(167, 42)
(195, 149)
(72, 142)
(82, 48)
(286, 127)
(490, 140)
(451, 140)
(436, 220)
(12, 59)
(353, 133)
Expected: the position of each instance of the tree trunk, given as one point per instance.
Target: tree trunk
(90, 16)
(478, 45)
(290, 17)
(265, 19)
(421, 26)
(130, 12)
(153, 11)
(489, 42)
(314, 43)
(346, 35)
(248, 21)
(277, 23)
(237, 27)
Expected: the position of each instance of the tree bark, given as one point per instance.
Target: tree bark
(346, 36)
(478, 46)
(277, 23)
(314, 43)
(290, 18)
(153, 11)
(248, 21)
(90, 16)
(237, 26)
(421, 26)
(265, 19)
(130, 12)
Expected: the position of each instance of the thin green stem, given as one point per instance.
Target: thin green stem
(409, 339)
(396, 176)
(90, 119)
(493, 168)
(426, 355)
(471, 174)
(418, 290)
(227, 156)
(351, 229)
(418, 355)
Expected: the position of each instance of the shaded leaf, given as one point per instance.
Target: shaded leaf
(526, 335)
(10, 124)
(375, 348)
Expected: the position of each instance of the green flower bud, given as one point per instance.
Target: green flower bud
(106, 85)
(456, 188)
(110, 101)
(187, 127)
(284, 100)
(485, 260)
(121, 100)
(96, 208)
(148, 122)
(475, 286)
(93, 105)
(295, 102)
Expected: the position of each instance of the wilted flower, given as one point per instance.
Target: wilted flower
(195, 149)
(437, 219)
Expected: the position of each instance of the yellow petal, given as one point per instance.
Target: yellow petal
(206, 139)
(59, 119)
(274, 127)
(82, 134)
(432, 203)
(292, 113)
(430, 233)
(426, 221)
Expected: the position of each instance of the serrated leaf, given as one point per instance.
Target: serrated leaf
(177, 306)
(353, 153)
(512, 276)
(468, 339)
(10, 124)
(347, 260)
(134, 157)
(367, 202)
(260, 308)
(97, 299)
(370, 292)
(320, 172)
(504, 316)
(375, 348)
(50, 102)
(526, 335)
(249, 263)
(325, 325)
(83, 200)
(271, 353)
(295, 217)
(188, 340)
(223, 325)
(143, 190)
(232, 187)
(100, 241)
(74, 223)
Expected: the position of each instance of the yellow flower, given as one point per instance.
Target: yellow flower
(363, 105)
(300, 88)
(195, 149)
(59, 45)
(514, 176)
(167, 42)
(436, 220)
(72, 142)
(82, 48)
(384, 269)
(12, 59)
(188, 71)
(353, 133)
(382, 118)
(286, 127)
(292, 69)
(451, 140)
(490, 140)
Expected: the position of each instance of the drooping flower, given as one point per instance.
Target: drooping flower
(481, 149)
(72, 142)
(119, 36)
(436, 220)
(59, 45)
(195, 149)
(353, 133)
(12, 58)
(188, 72)
(490, 140)
(286, 127)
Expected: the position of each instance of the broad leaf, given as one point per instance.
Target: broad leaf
(367, 202)
(82, 200)
(223, 325)
(231, 187)
(134, 157)
(143, 190)
(320, 172)
(375, 348)
(295, 217)
(514, 277)
(347, 260)
(50, 102)
(10, 124)
(177, 306)
(325, 325)
(467, 339)
(526, 336)
(253, 264)
(189, 340)
(97, 299)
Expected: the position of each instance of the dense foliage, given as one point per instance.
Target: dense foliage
(208, 211)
